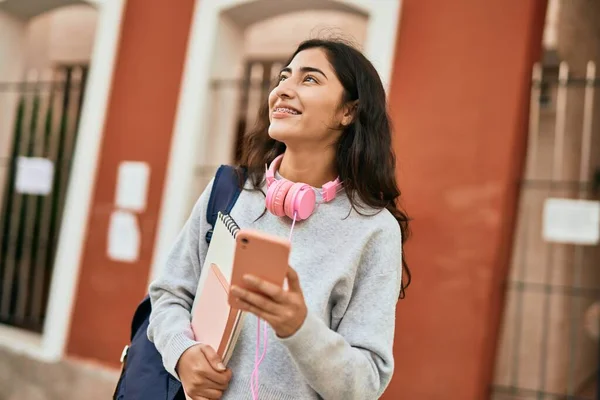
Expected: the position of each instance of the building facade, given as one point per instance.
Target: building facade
(168, 91)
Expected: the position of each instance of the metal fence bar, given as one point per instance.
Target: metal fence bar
(586, 136)
(7, 211)
(27, 87)
(566, 290)
(32, 210)
(62, 147)
(561, 118)
(531, 394)
(588, 109)
(51, 151)
(557, 166)
(66, 147)
(16, 216)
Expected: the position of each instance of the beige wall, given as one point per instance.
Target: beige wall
(37, 42)
(72, 34)
(12, 41)
(277, 37)
(65, 35)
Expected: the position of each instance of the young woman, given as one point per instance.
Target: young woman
(332, 330)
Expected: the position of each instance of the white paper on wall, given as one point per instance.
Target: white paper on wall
(132, 185)
(571, 221)
(34, 175)
(123, 237)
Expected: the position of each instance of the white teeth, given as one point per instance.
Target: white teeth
(286, 110)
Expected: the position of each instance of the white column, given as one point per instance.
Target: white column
(223, 107)
(81, 182)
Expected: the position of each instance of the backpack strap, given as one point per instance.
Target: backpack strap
(225, 192)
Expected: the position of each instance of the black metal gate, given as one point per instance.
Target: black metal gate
(551, 328)
(45, 129)
(254, 92)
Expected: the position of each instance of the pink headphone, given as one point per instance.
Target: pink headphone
(289, 198)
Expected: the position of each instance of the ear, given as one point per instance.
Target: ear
(349, 112)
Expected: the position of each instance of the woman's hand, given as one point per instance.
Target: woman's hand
(202, 373)
(284, 310)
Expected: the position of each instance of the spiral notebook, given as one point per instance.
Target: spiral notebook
(214, 321)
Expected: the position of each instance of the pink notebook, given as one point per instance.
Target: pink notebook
(213, 319)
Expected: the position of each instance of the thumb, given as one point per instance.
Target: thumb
(213, 358)
(293, 280)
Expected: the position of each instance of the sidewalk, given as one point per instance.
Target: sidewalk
(23, 378)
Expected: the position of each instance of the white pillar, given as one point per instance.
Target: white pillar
(227, 68)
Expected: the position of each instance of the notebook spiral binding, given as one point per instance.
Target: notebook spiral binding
(229, 223)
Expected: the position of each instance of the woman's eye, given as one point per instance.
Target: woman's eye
(307, 78)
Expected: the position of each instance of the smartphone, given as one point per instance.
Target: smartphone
(260, 254)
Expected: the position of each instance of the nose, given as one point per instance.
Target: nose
(285, 89)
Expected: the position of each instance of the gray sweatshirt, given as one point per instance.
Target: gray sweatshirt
(349, 267)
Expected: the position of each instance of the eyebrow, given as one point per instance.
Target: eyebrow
(305, 70)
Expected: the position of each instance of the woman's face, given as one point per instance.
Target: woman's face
(305, 106)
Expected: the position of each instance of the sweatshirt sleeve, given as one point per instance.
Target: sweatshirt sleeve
(356, 361)
(172, 292)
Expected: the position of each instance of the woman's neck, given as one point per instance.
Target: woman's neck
(314, 168)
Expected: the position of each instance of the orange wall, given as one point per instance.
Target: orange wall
(139, 124)
(459, 101)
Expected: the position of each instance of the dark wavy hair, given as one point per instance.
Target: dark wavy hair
(365, 160)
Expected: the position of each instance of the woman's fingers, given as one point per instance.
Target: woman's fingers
(262, 314)
(269, 289)
(293, 280)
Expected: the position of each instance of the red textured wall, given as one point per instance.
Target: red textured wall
(459, 101)
(139, 124)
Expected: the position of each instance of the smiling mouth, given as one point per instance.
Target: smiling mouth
(286, 111)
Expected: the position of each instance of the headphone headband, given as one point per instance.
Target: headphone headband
(328, 190)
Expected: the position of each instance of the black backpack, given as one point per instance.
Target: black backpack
(143, 376)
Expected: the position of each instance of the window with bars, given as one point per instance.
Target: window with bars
(48, 108)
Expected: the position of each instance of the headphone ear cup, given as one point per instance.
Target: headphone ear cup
(300, 200)
(290, 199)
(276, 195)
